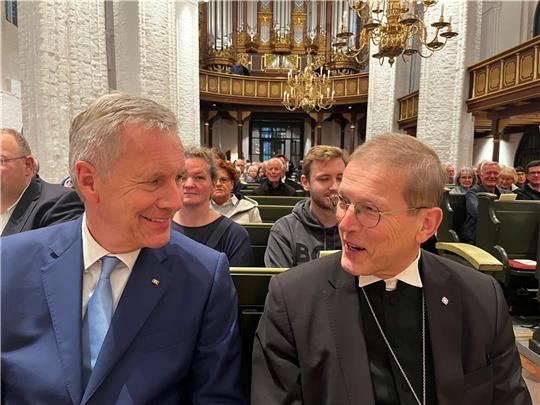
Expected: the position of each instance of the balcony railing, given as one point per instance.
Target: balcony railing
(408, 110)
(509, 77)
(268, 91)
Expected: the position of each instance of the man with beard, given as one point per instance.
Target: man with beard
(312, 226)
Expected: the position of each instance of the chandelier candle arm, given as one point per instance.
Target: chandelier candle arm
(395, 27)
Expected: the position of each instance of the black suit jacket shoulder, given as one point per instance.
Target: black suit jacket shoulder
(309, 347)
(43, 204)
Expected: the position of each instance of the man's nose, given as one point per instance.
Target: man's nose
(171, 196)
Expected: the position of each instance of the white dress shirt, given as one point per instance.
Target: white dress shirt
(411, 276)
(92, 253)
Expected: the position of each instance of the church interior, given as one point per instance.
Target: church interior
(255, 79)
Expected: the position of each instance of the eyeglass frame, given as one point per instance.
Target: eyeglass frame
(4, 160)
(379, 212)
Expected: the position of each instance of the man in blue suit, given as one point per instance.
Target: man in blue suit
(162, 327)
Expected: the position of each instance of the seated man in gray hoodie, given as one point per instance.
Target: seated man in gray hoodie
(312, 225)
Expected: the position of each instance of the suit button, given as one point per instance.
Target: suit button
(405, 386)
(397, 343)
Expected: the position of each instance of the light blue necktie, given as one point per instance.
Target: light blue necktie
(100, 308)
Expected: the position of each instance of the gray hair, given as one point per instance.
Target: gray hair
(94, 133)
(21, 141)
(468, 170)
(484, 163)
(423, 173)
(198, 152)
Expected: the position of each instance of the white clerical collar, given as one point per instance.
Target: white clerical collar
(411, 276)
(93, 251)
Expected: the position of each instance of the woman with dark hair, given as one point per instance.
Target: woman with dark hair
(199, 221)
(226, 203)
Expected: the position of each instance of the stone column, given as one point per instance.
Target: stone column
(145, 49)
(187, 68)
(63, 69)
(443, 120)
(386, 84)
(157, 56)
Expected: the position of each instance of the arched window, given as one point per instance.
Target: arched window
(529, 147)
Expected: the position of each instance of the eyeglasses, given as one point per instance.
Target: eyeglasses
(4, 160)
(366, 214)
(534, 173)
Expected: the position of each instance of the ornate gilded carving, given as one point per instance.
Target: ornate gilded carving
(253, 90)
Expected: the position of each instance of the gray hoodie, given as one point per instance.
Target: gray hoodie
(299, 237)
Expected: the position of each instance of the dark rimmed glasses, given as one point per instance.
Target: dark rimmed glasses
(365, 213)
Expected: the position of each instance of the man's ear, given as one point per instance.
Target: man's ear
(432, 218)
(87, 180)
(305, 182)
(30, 166)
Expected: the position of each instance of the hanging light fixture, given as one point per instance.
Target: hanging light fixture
(396, 28)
(308, 90)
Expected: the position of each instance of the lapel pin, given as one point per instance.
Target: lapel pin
(445, 300)
(155, 281)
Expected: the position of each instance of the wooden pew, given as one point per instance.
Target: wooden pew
(258, 236)
(276, 200)
(453, 207)
(251, 286)
(510, 230)
(271, 213)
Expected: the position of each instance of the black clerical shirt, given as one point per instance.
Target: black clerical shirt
(400, 315)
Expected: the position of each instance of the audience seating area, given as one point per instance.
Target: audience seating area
(506, 231)
(509, 230)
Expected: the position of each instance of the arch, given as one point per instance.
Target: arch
(529, 147)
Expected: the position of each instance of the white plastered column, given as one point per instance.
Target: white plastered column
(157, 56)
(187, 67)
(443, 120)
(63, 68)
(386, 84)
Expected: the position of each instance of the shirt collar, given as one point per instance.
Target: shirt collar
(93, 251)
(411, 276)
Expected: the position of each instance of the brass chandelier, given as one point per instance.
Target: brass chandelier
(396, 28)
(308, 90)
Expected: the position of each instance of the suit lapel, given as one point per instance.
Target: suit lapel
(342, 304)
(24, 209)
(445, 328)
(62, 283)
(131, 313)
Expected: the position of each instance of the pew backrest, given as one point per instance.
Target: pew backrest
(271, 213)
(258, 236)
(513, 225)
(510, 230)
(454, 212)
(277, 200)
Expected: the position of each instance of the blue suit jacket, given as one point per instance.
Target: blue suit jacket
(174, 342)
